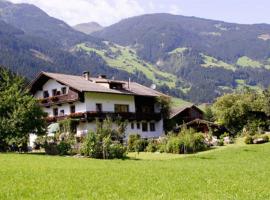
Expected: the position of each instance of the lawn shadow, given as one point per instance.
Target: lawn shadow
(249, 150)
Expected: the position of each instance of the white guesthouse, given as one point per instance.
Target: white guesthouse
(87, 99)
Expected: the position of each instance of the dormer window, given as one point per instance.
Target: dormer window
(54, 92)
(64, 90)
(45, 94)
(116, 86)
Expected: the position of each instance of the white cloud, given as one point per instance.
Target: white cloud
(105, 12)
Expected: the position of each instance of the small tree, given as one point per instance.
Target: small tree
(105, 142)
(20, 113)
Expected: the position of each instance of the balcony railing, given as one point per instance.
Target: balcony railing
(70, 97)
(91, 116)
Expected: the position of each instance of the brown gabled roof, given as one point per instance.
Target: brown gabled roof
(79, 83)
(176, 111)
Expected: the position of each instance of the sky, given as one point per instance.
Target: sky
(107, 12)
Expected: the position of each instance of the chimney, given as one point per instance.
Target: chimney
(86, 75)
(128, 83)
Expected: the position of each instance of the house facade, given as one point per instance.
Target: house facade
(88, 99)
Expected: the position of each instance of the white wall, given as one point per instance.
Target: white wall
(49, 86)
(79, 107)
(84, 127)
(108, 101)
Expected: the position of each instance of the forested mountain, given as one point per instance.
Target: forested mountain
(34, 21)
(187, 57)
(209, 57)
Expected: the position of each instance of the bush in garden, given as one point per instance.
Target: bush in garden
(256, 139)
(132, 139)
(117, 151)
(220, 142)
(187, 141)
(173, 145)
(248, 139)
(136, 143)
(198, 142)
(259, 139)
(64, 148)
(91, 146)
(105, 143)
(152, 146)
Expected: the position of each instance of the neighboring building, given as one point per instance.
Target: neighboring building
(87, 99)
(184, 114)
(204, 126)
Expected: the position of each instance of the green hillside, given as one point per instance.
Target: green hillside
(126, 59)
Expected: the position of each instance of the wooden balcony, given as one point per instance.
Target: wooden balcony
(124, 116)
(59, 99)
(91, 116)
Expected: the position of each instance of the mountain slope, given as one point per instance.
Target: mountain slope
(208, 57)
(88, 28)
(34, 21)
(156, 34)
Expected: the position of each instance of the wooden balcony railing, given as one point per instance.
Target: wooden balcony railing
(91, 116)
(65, 98)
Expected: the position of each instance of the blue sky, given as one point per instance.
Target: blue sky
(107, 12)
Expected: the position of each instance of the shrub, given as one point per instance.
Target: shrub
(248, 139)
(162, 147)
(220, 142)
(117, 151)
(256, 139)
(105, 142)
(186, 142)
(64, 148)
(152, 146)
(51, 149)
(136, 144)
(199, 142)
(173, 145)
(260, 139)
(90, 146)
(132, 139)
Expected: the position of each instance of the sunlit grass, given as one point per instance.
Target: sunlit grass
(231, 172)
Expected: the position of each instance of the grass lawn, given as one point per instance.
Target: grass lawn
(233, 172)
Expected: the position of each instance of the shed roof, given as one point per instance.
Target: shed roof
(176, 111)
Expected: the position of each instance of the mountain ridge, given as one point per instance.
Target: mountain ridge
(192, 58)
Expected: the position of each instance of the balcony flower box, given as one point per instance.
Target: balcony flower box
(77, 115)
(54, 99)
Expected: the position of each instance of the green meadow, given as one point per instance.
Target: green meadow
(232, 172)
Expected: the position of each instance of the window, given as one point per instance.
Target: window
(62, 112)
(144, 127)
(72, 109)
(55, 112)
(46, 94)
(152, 127)
(138, 125)
(64, 90)
(99, 107)
(54, 92)
(118, 108)
(132, 125)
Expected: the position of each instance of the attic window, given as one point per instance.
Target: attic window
(54, 92)
(45, 94)
(64, 90)
(116, 86)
